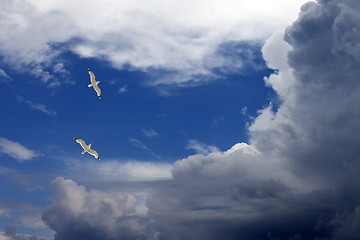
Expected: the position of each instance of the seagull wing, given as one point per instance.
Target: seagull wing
(98, 91)
(81, 142)
(94, 153)
(92, 76)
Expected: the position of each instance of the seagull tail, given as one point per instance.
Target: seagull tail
(97, 82)
(90, 85)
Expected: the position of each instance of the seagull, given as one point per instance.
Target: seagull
(87, 148)
(94, 83)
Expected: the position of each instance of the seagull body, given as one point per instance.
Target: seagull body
(87, 148)
(94, 83)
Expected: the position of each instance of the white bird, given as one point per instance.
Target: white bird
(94, 83)
(87, 148)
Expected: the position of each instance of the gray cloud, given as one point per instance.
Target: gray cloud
(316, 129)
(25, 215)
(10, 234)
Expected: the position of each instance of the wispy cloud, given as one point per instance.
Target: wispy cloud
(201, 147)
(120, 171)
(137, 143)
(150, 132)
(123, 89)
(4, 77)
(216, 120)
(16, 150)
(244, 110)
(38, 106)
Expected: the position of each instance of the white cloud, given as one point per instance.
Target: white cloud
(137, 143)
(150, 132)
(16, 150)
(244, 110)
(120, 171)
(216, 120)
(38, 106)
(4, 77)
(180, 36)
(201, 147)
(4, 237)
(123, 89)
(4, 212)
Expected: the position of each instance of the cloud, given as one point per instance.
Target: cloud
(150, 132)
(137, 143)
(37, 106)
(244, 110)
(298, 177)
(216, 120)
(23, 215)
(16, 150)
(123, 89)
(139, 34)
(120, 171)
(4, 77)
(10, 234)
(200, 147)
(314, 127)
(347, 225)
(76, 213)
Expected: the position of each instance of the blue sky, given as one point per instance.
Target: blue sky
(216, 121)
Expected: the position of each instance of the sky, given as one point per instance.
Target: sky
(217, 120)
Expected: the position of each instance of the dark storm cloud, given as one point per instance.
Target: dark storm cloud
(317, 127)
(304, 181)
(299, 177)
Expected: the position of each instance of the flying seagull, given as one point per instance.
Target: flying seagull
(87, 148)
(94, 83)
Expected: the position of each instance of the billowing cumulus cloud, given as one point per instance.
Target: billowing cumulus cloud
(184, 38)
(298, 178)
(76, 213)
(316, 128)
